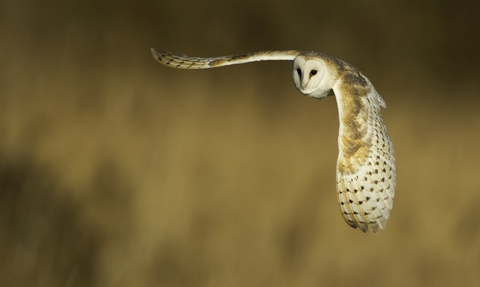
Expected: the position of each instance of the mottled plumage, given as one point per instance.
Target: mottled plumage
(366, 162)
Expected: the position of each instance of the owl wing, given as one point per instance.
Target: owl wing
(184, 62)
(366, 160)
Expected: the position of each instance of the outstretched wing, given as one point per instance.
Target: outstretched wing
(366, 160)
(184, 62)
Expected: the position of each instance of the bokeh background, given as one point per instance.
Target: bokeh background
(117, 171)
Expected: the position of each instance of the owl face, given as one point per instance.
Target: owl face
(310, 77)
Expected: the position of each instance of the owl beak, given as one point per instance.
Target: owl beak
(304, 82)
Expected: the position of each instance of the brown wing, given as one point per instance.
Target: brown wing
(366, 161)
(184, 62)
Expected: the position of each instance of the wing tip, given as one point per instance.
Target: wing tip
(155, 54)
(374, 227)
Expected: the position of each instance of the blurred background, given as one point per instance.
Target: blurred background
(117, 171)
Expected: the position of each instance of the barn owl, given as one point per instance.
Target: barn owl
(366, 164)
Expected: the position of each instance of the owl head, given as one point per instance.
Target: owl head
(311, 76)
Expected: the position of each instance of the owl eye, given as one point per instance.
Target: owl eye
(299, 72)
(313, 72)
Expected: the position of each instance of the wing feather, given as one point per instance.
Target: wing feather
(184, 62)
(366, 162)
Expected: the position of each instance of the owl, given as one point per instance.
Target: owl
(365, 172)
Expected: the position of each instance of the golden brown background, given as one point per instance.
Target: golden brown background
(117, 171)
